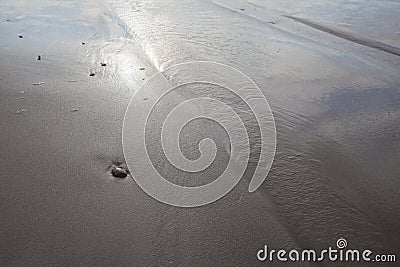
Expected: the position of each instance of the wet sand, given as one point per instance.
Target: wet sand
(336, 104)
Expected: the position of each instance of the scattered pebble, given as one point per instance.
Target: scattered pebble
(242, 9)
(83, 43)
(39, 57)
(146, 98)
(119, 170)
(39, 83)
(143, 79)
(8, 20)
(20, 36)
(20, 111)
(273, 22)
(142, 68)
(92, 74)
(74, 110)
(103, 64)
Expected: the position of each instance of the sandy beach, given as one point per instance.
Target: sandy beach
(68, 70)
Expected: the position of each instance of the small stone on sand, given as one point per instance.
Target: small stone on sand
(119, 172)
(39, 57)
(118, 169)
(40, 83)
(20, 36)
(74, 110)
(83, 43)
(142, 68)
(103, 64)
(91, 74)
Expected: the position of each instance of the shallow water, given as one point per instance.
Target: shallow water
(333, 85)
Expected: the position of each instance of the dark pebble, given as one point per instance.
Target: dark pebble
(119, 172)
(242, 9)
(103, 64)
(142, 68)
(20, 36)
(39, 57)
(91, 74)
(83, 43)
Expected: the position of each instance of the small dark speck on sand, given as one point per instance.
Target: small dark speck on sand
(103, 64)
(92, 74)
(119, 170)
(146, 98)
(20, 36)
(74, 110)
(242, 9)
(39, 57)
(142, 68)
(40, 83)
(83, 43)
(8, 20)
